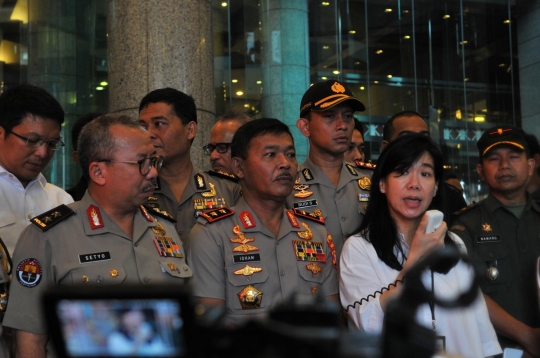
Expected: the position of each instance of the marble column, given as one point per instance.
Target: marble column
(285, 63)
(528, 34)
(162, 43)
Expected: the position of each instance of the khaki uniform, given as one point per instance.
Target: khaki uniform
(82, 245)
(495, 238)
(342, 206)
(203, 192)
(238, 260)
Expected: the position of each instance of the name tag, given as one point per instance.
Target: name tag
(305, 204)
(238, 259)
(487, 239)
(98, 256)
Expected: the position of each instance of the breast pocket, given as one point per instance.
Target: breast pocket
(494, 254)
(176, 268)
(98, 274)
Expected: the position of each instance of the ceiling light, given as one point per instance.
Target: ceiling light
(406, 37)
(325, 47)
(104, 83)
(335, 72)
(325, 3)
(259, 82)
(506, 21)
(362, 88)
(375, 82)
(224, 4)
(246, 105)
(352, 32)
(446, 16)
(100, 88)
(234, 80)
(378, 52)
(389, 76)
(324, 78)
(387, 10)
(239, 93)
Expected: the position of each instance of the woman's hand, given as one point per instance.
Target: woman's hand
(423, 244)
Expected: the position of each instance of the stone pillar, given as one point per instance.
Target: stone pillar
(285, 63)
(162, 43)
(528, 35)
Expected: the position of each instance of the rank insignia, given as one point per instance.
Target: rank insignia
(363, 197)
(314, 268)
(314, 216)
(248, 270)
(94, 216)
(247, 219)
(159, 229)
(306, 235)
(365, 165)
(29, 272)
(52, 217)
(309, 251)
(330, 243)
(250, 298)
(211, 193)
(486, 227)
(458, 227)
(307, 174)
(303, 193)
(217, 214)
(152, 198)
(221, 174)
(167, 247)
(146, 215)
(351, 170)
(292, 219)
(199, 182)
(243, 241)
(207, 203)
(161, 213)
(364, 183)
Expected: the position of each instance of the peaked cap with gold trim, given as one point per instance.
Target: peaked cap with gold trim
(325, 95)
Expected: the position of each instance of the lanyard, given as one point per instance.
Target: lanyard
(432, 303)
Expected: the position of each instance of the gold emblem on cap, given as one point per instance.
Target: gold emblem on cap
(250, 298)
(247, 270)
(364, 183)
(306, 235)
(338, 88)
(114, 272)
(159, 229)
(486, 227)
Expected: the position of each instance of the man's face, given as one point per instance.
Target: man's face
(356, 148)
(222, 132)
(404, 125)
(505, 169)
(170, 137)
(329, 131)
(22, 161)
(269, 170)
(124, 179)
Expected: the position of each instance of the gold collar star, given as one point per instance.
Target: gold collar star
(486, 227)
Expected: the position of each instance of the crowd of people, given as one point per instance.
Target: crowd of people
(260, 226)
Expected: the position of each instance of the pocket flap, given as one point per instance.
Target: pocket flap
(247, 275)
(176, 268)
(102, 274)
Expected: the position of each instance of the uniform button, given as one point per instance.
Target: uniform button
(137, 244)
(186, 268)
(146, 280)
(249, 278)
(180, 232)
(337, 191)
(282, 272)
(343, 218)
(29, 216)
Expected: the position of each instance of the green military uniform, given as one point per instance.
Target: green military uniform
(506, 249)
(342, 206)
(80, 244)
(203, 192)
(238, 260)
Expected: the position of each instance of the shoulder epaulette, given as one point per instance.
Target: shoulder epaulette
(314, 216)
(363, 165)
(216, 214)
(465, 209)
(52, 217)
(220, 174)
(160, 213)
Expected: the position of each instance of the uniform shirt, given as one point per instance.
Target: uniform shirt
(87, 248)
(218, 269)
(342, 206)
(20, 204)
(468, 331)
(496, 238)
(209, 191)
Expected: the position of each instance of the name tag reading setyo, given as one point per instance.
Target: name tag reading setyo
(487, 239)
(238, 259)
(305, 204)
(98, 256)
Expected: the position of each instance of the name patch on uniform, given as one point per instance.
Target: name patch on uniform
(486, 239)
(305, 204)
(98, 256)
(239, 259)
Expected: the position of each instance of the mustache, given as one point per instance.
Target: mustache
(150, 186)
(285, 176)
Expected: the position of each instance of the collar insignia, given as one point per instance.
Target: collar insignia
(94, 216)
(307, 174)
(351, 170)
(199, 182)
(247, 219)
(292, 219)
(486, 227)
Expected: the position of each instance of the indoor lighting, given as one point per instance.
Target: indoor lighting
(100, 88)
(335, 72)
(104, 83)
(506, 21)
(325, 3)
(479, 118)
(246, 105)
(325, 47)
(375, 82)
(387, 10)
(234, 80)
(324, 78)
(352, 32)
(463, 42)
(20, 11)
(406, 37)
(239, 93)
(362, 88)
(259, 82)
(389, 76)
(224, 4)
(378, 52)
(446, 16)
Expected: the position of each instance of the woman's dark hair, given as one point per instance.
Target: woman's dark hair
(378, 226)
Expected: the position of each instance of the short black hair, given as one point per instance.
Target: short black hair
(234, 116)
(358, 127)
(25, 100)
(78, 126)
(183, 104)
(388, 130)
(532, 142)
(243, 136)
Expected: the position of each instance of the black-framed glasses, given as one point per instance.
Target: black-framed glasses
(221, 148)
(52, 144)
(145, 164)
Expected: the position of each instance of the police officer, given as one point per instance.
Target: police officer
(183, 191)
(501, 235)
(256, 254)
(107, 238)
(327, 186)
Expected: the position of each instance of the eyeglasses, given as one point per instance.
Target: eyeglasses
(52, 144)
(221, 148)
(145, 165)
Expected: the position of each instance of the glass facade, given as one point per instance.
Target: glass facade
(454, 62)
